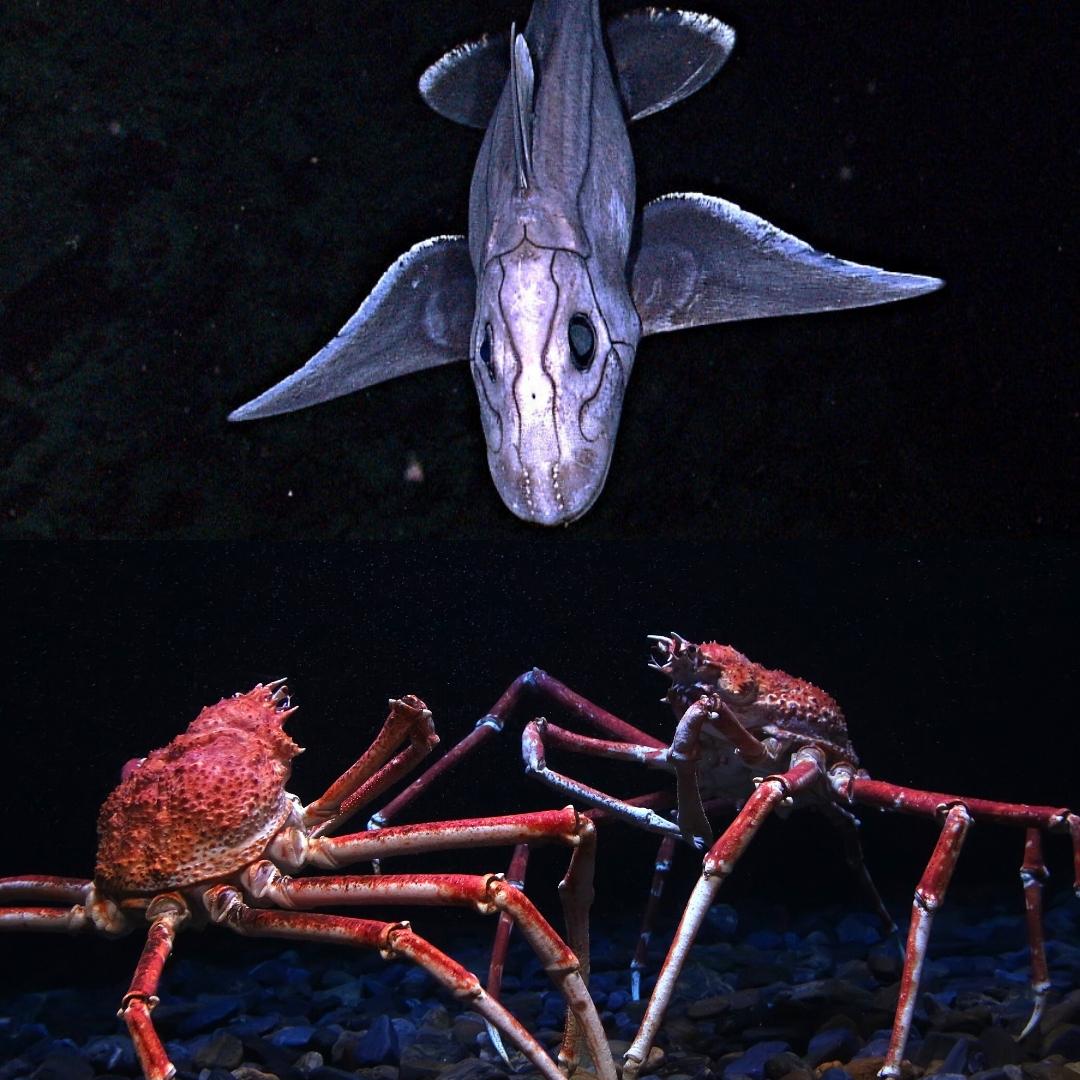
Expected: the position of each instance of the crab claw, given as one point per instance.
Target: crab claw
(668, 648)
(131, 766)
(497, 1042)
(662, 649)
(1037, 1010)
(280, 693)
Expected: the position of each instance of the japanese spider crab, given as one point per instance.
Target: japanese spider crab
(203, 831)
(736, 720)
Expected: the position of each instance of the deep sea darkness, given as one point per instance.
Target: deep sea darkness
(195, 197)
(955, 666)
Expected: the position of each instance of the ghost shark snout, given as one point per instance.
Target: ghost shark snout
(554, 491)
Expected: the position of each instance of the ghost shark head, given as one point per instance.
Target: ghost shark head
(550, 378)
(546, 296)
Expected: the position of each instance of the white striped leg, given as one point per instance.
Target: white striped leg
(718, 864)
(664, 856)
(928, 898)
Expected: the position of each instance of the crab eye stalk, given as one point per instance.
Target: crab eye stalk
(582, 339)
(484, 352)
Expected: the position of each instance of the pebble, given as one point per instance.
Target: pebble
(752, 1063)
(111, 1053)
(474, 1069)
(832, 1044)
(329, 1072)
(308, 1062)
(999, 1048)
(222, 1050)
(293, 1036)
(63, 1066)
(858, 928)
(1064, 1040)
(834, 1073)
(739, 1001)
(801, 997)
(208, 1013)
(379, 1045)
(785, 1064)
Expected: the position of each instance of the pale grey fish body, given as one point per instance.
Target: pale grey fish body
(545, 295)
(547, 253)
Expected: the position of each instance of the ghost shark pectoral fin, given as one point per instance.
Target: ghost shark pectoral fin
(703, 260)
(660, 57)
(418, 316)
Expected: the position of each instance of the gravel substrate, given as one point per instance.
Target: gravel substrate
(787, 997)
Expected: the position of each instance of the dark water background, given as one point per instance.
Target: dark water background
(954, 664)
(196, 196)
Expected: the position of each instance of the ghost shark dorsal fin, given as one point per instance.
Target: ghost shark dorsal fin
(522, 85)
(660, 56)
(465, 84)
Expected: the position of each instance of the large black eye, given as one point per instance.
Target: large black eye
(582, 341)
(485, 352)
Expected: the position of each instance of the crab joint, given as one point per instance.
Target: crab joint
(151, 1001)
(841, 777)
(289, 847)
(103, 913)
(489, 903)
(389, 947)
(223, 903)
(556, 956)
(1071, 821)
(263, 879)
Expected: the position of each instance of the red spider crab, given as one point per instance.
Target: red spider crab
(203, 830)
(735, 720)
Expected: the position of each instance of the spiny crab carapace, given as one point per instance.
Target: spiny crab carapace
(204, 831)
(755, 740)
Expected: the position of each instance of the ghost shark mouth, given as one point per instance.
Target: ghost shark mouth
(556, 161)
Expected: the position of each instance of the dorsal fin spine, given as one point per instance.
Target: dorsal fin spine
(522, 86)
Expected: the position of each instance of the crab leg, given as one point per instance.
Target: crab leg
(532, 749)
(49, 919)
(807, 768)
(848, 825)
(487, 893)
(566, 826)
(1033, 875)
(544, 687)
(928, 898)
(664, 856)
(375, 770)
(166, 914)
(515, 877)
(393, 940)
(44, 887)
(906, 800)
(886, 796)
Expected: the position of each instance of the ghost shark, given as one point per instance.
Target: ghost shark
(560, 277)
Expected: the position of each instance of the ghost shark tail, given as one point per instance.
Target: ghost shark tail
(553, 288)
